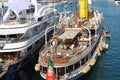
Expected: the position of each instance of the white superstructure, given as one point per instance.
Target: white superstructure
(23, 27)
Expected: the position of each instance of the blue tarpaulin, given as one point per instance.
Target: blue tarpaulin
(11, 69)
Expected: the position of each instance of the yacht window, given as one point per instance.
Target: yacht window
(61, 71)
(29, 48)
(2, 56)
(14, 36)
(40, 18)
(77, 65)
(2, 36)
(30, 10)
(12, 16)
(37, 42)
(69, 68)
(92, 32)
(82, 61)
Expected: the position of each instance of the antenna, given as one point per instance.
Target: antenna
(90, 5)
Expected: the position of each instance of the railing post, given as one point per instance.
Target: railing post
(89, 35)
(46, 33)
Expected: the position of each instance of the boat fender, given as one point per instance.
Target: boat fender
(92, 62)
(37, 67)
(106, 46)
(100, 46)
(98, 52)
(85, 69)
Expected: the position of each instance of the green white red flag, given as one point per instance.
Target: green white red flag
(50, 71)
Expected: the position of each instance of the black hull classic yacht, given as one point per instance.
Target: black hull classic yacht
(76, 44)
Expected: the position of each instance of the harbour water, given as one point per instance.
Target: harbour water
(107, 66)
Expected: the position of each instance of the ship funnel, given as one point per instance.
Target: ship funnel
(83, 9)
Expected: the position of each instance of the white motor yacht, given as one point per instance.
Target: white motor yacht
(22, 31)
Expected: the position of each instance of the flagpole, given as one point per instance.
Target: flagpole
(50, 75)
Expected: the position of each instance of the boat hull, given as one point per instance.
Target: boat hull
(16, 70)
(85, 68)
(77, 73)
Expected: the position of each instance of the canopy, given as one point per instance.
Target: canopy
(69, 34)
(18, 5)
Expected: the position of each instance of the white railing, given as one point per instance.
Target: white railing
(46, 33)
(89, 34)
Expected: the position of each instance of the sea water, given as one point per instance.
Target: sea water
(108, 65)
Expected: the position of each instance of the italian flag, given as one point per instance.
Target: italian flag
(50, 72)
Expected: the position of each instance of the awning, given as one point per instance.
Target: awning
(18, 5)
(69, 34)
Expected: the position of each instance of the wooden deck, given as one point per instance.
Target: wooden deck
(66, 58)
(64, 54)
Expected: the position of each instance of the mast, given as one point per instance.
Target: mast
(83, 11)
(75, 13)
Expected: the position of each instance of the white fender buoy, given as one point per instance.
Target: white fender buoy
(37, 67)
(92, 62)
(85, 69)
(98, 52)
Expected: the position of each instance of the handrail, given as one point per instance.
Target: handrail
(46, 33)
(89, 34)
